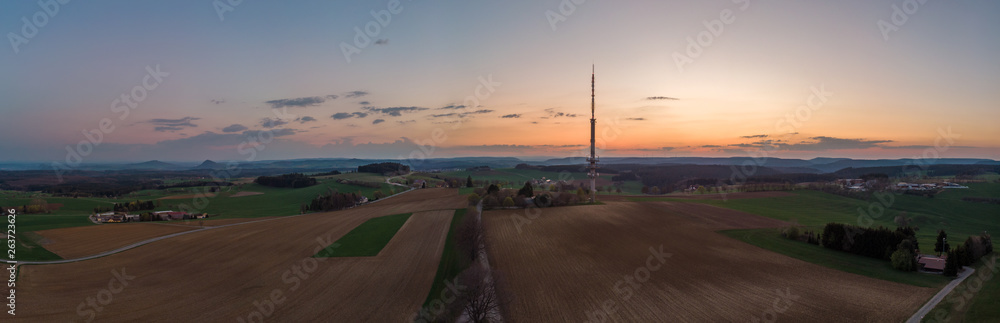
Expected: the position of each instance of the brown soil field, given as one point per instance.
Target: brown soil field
(85, 241)
(571, 264)
(258, 270)
(187, 196)
(211, 223)
(245, 193)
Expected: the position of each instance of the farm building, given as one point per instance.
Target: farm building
(931, 263)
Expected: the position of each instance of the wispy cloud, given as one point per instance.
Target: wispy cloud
(656, 98)
(305, 119)
(394, 111)
(378, 121)
(234, 128)
(355, 94)
(345, 115)
(217, 101)
(173, 124)
(332, 97)
(297, 102)
(511, 116)
(383, 41)
(272, 122)
(636, 119)
(754, 136)
(364, 103)
(552, 113)
(451, 107)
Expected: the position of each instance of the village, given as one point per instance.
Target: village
(122, 217)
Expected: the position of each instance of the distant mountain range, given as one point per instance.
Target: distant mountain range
(815, 165)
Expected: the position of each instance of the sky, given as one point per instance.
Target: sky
(250, 80)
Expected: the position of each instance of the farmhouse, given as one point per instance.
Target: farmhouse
(931, 263)
(171, 215)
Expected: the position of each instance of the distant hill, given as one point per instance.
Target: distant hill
(152, 164)
(209, 164)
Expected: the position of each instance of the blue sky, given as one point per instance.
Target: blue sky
(283, 62)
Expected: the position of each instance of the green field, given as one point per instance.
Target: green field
(813, 209)
(771, 239)
(975, 299)
(451, 262)
(368, 239)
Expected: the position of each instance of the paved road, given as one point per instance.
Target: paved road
(140, 243)
(919, 315)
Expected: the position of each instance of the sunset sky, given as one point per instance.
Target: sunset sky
(277, 71)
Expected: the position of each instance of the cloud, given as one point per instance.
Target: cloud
(364, 103)
(271, 123)
(511, 116)
(273, 132)
(297, 102)
(378, 121)
(173, 124)
(332, 96)
(443, 115)
(355, 94)
(711, 146)
(654, 98)
(407, 121)
(383, 41)
(234, 128)
(754, 136)
(555, 114)
(305, 119)
(217, 101)
(463, 114)
(451, 107)
(345, 115)
(636, 119)
(827, 143)
(394, 111)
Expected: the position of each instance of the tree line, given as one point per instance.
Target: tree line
(293, 180)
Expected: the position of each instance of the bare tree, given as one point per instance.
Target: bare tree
(469, 235)
(482, 301)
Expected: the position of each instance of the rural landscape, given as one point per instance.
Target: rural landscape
(400, 161)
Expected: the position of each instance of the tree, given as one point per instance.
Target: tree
(482, 298)
(527, 190)
(468, 181)
(942, 242)
(654, 190)
(903, 258)
(901, 220)
(645, 189)
(473, 198)
(492, 189)
(508, 202)
(951, 265)
(618, 190)
(378, 194)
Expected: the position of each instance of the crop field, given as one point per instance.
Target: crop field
(77, 242)
(587, 262)
(267, 267)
